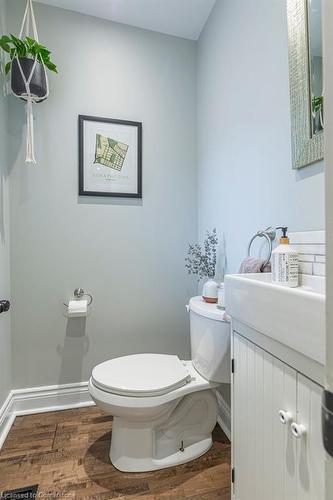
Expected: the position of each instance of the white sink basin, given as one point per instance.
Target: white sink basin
(293, 316)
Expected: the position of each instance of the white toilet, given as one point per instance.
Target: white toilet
(164, 408)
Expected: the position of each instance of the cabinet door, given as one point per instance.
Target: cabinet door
(264, 450)
(310, 450)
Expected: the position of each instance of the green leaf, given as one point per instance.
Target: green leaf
(15, 39)
(5, 47)
(51, 66)
(30, 41)
(20, 46)
(45, 52)
(4, 43)
(8, 67)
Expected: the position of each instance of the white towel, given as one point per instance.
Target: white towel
(253, 265)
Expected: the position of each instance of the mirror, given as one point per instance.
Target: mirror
(306, 81)
(315, 65)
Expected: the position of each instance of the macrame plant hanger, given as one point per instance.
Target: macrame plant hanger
(29, 18)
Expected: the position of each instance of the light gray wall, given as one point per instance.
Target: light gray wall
(245, 179)
(5, 339)
(128, 254)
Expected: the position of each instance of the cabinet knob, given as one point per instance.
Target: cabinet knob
(285, 416)
(298, 430)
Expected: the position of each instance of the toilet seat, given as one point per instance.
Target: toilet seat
(136, 405)
(141, 375)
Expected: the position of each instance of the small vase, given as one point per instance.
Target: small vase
(210, 291)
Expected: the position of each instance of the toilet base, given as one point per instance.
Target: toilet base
(182, 435)
(149, 464)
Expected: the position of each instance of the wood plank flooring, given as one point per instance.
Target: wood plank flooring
(66, 454)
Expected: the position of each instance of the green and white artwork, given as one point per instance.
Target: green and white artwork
(110, 152)
(109, 157)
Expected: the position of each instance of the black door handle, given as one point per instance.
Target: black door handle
(4, 306)
(327, 421)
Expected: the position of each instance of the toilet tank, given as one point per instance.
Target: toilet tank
(210, 331)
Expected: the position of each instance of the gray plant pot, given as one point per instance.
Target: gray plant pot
(38, 80)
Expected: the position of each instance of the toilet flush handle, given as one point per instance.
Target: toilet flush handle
(187, 308)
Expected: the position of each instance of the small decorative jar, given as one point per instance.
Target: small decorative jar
(210, 291)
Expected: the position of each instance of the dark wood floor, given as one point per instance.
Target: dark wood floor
(66, 454)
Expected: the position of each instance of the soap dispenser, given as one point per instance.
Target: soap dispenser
(285, 262)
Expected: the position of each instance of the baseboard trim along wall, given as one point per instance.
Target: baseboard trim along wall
(6, 418)
(223, 415)
(41, 399)
(67, 396)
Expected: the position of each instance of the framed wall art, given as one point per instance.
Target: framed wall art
(110, 157)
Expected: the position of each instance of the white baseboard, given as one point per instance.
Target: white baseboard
(40, 400)
(223, 415)
(6, 419)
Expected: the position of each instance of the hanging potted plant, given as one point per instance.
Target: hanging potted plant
(29, 57)
(28, 63)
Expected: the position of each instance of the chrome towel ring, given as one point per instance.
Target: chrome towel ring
(269, 234)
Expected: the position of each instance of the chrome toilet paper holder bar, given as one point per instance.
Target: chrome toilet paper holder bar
(78, 294)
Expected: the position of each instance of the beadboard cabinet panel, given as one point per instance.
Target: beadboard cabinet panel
(269, 461)
(264, 449)
(284, 390)
(310, 450)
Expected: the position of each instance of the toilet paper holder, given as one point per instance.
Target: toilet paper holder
(79, 293)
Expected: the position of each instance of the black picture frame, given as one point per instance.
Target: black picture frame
(138, 125)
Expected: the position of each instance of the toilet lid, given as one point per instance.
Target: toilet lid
(141, 375)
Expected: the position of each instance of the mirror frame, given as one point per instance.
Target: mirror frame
(306, 149)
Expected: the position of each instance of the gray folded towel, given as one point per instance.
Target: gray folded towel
(253, 265)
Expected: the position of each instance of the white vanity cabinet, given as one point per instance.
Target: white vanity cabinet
(276, 429)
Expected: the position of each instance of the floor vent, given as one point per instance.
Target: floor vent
(29, 492)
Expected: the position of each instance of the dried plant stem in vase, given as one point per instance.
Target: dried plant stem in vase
(201, 262)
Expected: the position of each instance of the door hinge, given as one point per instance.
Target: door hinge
(233, 475)
(232, 365)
